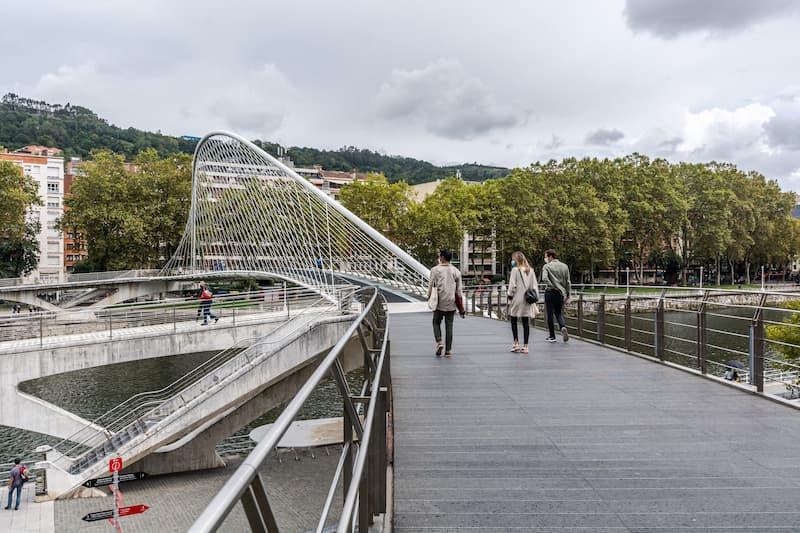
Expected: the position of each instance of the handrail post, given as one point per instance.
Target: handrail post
(41, 329)
(110, 327)
(233, 311)
(580, 315)
(473, 301)
(659, 329)
(757, 347)
(601, 319)
(285, 300)
(757, 354)
(701, 339)
(628, 323)
(702, 350)
(174, 320)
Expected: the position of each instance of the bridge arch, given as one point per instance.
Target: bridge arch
(251, 212)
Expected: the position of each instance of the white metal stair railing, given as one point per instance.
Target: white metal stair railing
(142, 412)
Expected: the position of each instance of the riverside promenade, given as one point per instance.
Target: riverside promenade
(579, 437)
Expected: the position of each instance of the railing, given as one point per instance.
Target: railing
(142, 411)
(47, 328)
(721, 332)
(362, 473)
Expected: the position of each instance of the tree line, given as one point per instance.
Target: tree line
(629, 212)
(78, 131)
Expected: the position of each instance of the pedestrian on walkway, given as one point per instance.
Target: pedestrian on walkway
(444, 287)
(206, 299)
(555, 276)
(521, 305)
(16, 478)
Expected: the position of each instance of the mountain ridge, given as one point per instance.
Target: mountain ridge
(78, 130)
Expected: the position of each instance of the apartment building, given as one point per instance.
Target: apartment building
(46, 166)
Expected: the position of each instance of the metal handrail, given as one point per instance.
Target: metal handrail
(132, 409)
(615, 302)
(51, 327)
(245, 484)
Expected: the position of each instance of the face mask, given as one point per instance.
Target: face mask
(513, 263)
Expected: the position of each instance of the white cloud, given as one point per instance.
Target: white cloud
(722, 134)
(445, 100)
(255, 104)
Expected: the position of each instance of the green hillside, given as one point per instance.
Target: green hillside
(78, 130)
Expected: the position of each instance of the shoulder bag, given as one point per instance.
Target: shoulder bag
(531, 296)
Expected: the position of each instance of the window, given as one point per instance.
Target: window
(53, 204)
(53, 260)
(53, 187)
(70, 235)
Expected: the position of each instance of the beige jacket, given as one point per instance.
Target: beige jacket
(517, 284)
(447, 282)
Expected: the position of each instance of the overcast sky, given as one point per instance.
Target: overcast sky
(501, 82)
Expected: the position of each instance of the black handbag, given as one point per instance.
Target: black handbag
(531, 295)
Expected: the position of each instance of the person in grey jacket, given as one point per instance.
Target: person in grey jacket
(555, 276)
(522, 278)
(446, 281)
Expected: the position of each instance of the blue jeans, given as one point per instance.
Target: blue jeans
(11, 493)
(207, 312)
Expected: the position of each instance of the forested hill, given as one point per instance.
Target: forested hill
(78, 130)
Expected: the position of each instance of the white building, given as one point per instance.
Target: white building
(46, 167)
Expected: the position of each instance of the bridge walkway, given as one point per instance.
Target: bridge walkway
(578, 437)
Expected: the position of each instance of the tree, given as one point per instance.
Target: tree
(19, 246)
(130, 219)
(377, 202)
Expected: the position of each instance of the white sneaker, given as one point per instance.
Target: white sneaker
(550, 339)
(565, 334)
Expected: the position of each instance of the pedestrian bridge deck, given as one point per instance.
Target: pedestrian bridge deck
(579, 437)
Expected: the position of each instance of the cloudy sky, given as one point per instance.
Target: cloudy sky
(503, 82)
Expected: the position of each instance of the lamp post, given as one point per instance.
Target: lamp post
(701, 277)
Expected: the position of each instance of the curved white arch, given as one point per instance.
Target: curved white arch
(251, 212)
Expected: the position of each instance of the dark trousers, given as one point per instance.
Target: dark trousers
(554, 305)
(448, 328)
(526, 328)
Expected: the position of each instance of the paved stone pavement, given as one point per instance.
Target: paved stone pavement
(31, 518)
(577, 437)
(297, 491)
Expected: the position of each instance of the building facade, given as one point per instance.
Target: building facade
(46, 166)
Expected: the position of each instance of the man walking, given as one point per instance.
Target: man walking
(15, 480)
(555, 276)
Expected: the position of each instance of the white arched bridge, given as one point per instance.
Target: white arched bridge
(251, 217)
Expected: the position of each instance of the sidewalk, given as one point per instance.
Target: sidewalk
(32, 517)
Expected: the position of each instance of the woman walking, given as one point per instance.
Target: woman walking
(446, 284)
(519, 307)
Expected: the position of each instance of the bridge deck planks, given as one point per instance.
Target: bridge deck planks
(577, 437)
